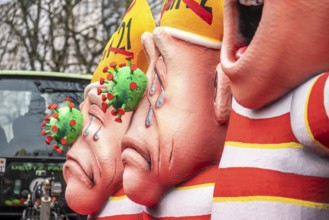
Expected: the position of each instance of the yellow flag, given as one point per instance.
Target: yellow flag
(197, 21)
(126, 41)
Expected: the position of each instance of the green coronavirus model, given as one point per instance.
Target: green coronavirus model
(64, 125)
(125, 88)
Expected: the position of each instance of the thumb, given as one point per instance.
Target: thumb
(150, 49)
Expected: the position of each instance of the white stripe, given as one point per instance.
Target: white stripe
(119, 207)
(278, 108)
(193, 38)
(289, 160)
(187, 202)
(265, 211)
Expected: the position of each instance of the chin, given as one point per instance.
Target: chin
(141, 188)
(84, 201)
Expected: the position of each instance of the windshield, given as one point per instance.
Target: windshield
(24, 103)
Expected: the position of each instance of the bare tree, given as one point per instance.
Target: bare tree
(58, 35)
(155, 6)
(112, 13)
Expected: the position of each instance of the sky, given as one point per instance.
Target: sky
(4, 1)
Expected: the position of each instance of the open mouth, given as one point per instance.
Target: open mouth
(249, 16)
(250, 13)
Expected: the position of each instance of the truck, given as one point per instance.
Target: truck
(26, 160)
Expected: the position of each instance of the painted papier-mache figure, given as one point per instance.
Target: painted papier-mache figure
(173, 144)
(275, 162)
(93, 170)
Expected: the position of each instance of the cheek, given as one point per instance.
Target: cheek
(108, 153)
(111, 174)
(85, 201)
(189, 142)
(176, 167)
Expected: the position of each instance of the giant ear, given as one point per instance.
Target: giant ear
(223, 97)
(126, 41)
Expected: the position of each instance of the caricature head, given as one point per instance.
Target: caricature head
(174, 133)
(289, 45)
(93, 170)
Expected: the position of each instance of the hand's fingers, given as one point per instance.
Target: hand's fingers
(223, 100)
(164, 41)
(150, 49)
(152, 55)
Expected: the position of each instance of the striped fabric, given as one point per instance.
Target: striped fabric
(119, 207)
(191, 200)
(275, 163)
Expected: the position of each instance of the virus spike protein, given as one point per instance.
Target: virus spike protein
(65, 127)
(125, 88)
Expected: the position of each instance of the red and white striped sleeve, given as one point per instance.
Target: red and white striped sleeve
(309, 114)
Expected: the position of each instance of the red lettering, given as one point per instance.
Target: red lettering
(199, 10)
(204, 12)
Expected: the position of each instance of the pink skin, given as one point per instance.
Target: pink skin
(290, 44)
(93, 170)
(184, 136)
